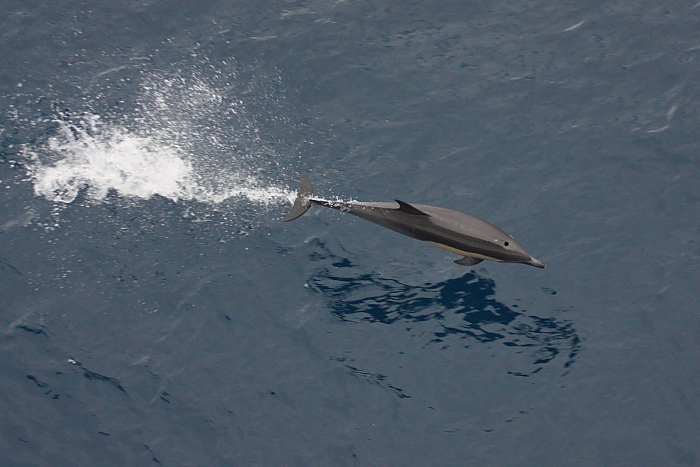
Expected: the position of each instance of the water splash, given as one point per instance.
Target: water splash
(190, 138)
(98, 157)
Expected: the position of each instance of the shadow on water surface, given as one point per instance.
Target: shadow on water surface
(463, 308)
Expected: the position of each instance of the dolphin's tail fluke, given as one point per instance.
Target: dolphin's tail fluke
(303, 201)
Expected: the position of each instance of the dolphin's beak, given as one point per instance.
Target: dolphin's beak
(536, 263)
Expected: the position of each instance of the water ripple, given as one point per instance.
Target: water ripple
(462, 309)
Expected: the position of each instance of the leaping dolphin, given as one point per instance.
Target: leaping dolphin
(459, 233)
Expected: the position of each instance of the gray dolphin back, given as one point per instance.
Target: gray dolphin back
(303, 201)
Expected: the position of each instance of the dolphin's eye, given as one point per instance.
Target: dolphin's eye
(506, 243)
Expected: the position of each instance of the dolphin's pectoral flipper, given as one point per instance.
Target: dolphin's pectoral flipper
(408, 209)
(468, 261)
(303, 201)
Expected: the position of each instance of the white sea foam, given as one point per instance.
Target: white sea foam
(189, 142)
(98, 158)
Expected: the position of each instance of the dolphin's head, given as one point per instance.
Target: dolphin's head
(514, 252)
(535, 262)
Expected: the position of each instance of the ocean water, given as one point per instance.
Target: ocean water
(155, 310)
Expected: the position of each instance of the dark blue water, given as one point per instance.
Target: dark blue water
(155, 311)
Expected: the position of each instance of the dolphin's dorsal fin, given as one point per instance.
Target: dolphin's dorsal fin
(468, 261)
(408, 209)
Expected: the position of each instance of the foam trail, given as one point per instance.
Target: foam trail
(98, 157)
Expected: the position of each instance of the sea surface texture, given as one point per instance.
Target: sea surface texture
(155, 311)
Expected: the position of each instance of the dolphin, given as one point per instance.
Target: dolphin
(459, 233)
